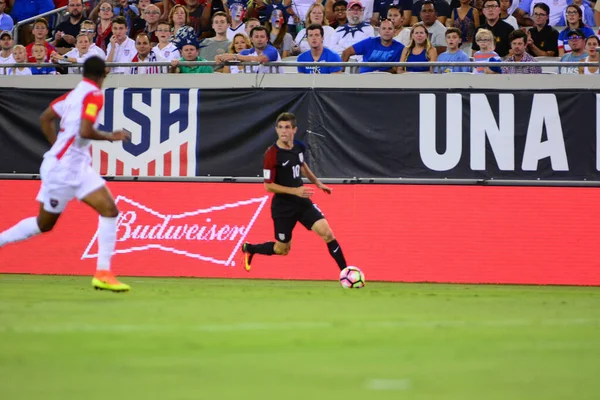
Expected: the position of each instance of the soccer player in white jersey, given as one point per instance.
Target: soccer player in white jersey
(66, 171)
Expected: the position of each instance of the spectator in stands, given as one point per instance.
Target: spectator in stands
(251, 23)
(442, 7)
(437, 30)
(382, 7)
(237, 11)
(199, 16)
(500, 29)
(145, 54)
(240, 42)
(6, 21)
(318, 53)
(40, 56)
(401, 33)
(40, 33)
(165, 48)
(354, 31)
(23, 9)
(167, 6)
(574, 21)
(6, 49)
(518, 44)
(219, 43)
(261, 52)
(453, 53)
(315, 15)
(576, 40)
(467, 20)
(420, 49)
(586, 10)
(179, 18)
(79, 54)
(377, 49)
(279, 37)
(505, 15)
(485, 42)
(89, 28)
(20, 56)
(129, 11)
(542, 40)
(591, 46)
(339, 10)
(147, 23)
(189, 52)
(67, 31)
(121, 48)
(103, 11)
(557, 7)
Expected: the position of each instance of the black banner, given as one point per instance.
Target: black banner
(364, 133)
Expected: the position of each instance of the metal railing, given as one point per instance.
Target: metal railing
(15, 32)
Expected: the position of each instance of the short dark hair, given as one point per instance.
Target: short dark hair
(517, 34)
(488, 1)
(286, 117)
(313, 27)
(257, 29)
(543, 6)
(94, 68)
(425, 2)
(41, 21)
(340, 3)
(119, 20)
(396, 7)
(453, 30)
(221, 14)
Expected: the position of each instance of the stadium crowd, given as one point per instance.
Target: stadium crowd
(233, 31)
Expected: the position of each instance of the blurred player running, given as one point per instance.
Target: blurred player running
(283, 169)
(66, 171)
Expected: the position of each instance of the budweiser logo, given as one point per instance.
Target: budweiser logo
(211, 234)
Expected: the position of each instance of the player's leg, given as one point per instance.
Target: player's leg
(312, 218)
(283, 233)
(102, 201)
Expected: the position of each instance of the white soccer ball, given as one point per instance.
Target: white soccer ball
(352, 278)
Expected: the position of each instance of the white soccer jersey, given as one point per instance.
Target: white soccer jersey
(232, 32)
(97, 51)
(169, 52)
(124, 53)
(347, 35)
(83, 102)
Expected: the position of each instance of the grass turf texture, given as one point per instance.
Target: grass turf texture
(241, 339)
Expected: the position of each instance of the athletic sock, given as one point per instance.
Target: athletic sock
(107, 237)
(336, 252)
(21, 231)
(267, 249)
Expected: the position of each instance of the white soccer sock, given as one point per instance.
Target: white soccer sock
(21, 231)
(107, 236)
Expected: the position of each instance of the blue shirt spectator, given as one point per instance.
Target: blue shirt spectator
(326, 56)
(6, 21)
(271, 53)
(42, 71)
(457, 56)
(23, 9)
(373, 51)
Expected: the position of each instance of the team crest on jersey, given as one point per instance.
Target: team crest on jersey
(53, 203)
(301, 157)
(126, 51)
(281, 236)
(167, 53)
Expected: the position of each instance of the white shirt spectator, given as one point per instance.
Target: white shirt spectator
(403, 37)
(20, 72)
(169, 52)
(346, 35)
(557, 8)
(143, 70)
(437, 34)
(368, 5)
(123, 53)
(8, 60)
(302, 40)
(97, 51)
(512, 20)
(232, 32)
(74, 53)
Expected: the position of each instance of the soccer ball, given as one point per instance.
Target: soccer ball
(352, 278)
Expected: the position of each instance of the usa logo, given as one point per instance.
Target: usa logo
(53, 203)
(167, 52)
(164, 130)
(126, 51)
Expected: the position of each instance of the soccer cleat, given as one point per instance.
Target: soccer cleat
(105, 280)
(247, 257)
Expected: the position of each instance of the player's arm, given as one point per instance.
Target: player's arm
(47, 122)
(92, 104)
(313, 179)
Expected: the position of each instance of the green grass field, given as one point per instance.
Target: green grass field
(242, 339)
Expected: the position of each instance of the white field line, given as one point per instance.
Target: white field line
(279, 326)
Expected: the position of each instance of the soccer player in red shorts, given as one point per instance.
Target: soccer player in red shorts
(283, 169)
